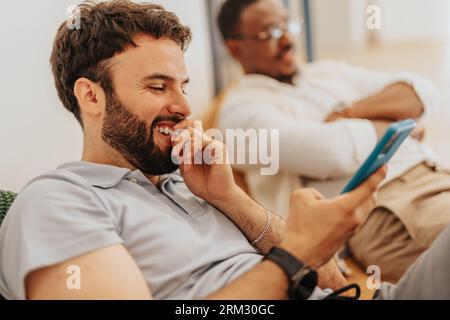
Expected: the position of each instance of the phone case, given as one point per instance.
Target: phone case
(383, 152)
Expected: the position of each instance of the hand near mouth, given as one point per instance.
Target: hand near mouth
(204, 163)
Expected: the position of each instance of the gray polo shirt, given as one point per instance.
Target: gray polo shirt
(185, 248)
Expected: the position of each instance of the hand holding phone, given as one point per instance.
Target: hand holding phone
(395, 135)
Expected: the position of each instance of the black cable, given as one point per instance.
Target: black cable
(336, 295)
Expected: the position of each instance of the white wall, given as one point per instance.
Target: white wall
(36, 133)
(338, 24)
(341, 24)
(414, 20)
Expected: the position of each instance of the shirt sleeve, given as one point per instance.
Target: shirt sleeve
(369, 82)
(307, 148)
(55, 218)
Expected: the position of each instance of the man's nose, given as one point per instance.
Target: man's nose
(286, 40)
(180, 105)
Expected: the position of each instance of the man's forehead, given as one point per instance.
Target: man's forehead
(152, 56)
(263, 12)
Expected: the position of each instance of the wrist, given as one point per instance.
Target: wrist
(230, 199)
(301, 251)
(302, 279)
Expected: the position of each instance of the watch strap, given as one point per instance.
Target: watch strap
(286, 261)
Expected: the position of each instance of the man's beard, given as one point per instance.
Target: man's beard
(134, 140)
(287, 78)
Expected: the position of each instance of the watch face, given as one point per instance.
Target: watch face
(303, 284)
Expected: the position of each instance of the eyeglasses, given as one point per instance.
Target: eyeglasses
(293, 27)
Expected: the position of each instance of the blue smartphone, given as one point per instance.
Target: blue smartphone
(383, 152)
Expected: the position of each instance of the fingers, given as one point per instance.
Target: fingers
(316, 194)
(364, 209)
(187, 151)
(190, 144)
(418, 133)
(306, 195)
(365, 190)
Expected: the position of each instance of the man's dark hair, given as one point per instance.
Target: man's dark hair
(230, 15)
(105, 30)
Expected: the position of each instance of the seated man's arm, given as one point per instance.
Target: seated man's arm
(385, 95)
(108, 273)
(395, 102)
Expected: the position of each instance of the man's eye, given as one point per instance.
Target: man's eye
(158, 88)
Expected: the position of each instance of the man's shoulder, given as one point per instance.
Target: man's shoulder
(47, 196)
(56, 179)
(79, 175)
(55, 184)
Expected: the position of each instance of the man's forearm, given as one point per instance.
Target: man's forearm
(395, 102)
(266, 281)
(251, 218)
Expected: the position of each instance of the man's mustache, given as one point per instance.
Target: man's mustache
(174, 118)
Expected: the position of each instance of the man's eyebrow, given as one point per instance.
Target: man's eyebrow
(165, 77)
(271, 23)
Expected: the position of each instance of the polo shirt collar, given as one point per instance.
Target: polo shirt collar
(107, 176)
(98, 175)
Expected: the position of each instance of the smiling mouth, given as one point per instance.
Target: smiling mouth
(164, 130)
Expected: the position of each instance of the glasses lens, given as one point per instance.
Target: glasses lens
(276, 33)
(294, 28)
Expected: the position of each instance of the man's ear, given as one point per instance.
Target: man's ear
(90, 96)
(234, 48)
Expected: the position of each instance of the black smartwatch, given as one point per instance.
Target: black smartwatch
(302, 279)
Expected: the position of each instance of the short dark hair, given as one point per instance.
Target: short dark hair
(106, 29)
(230, 15)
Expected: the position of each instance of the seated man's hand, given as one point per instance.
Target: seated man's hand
(345, 113)
(337, 115)
(204, 163)
(418, 133)
(318, 227)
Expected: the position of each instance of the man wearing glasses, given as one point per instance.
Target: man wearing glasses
(330, 116)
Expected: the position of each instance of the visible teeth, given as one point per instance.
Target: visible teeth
(165, 130)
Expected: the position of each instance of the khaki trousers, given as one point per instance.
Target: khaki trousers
(411, 212)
